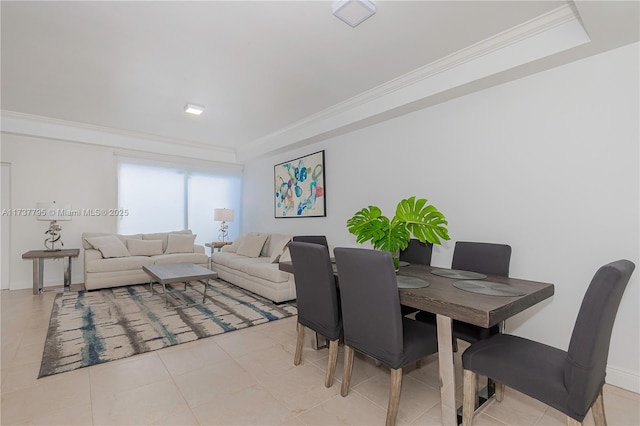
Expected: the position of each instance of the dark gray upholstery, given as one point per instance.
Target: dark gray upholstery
(485, 258)
(314, 239)
(368, 284)
(317, 299)
(567, 381)
(417, 252)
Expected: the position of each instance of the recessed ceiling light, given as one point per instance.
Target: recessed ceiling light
(193, 109)
(354, 12)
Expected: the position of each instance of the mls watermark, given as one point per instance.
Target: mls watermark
(45, 213)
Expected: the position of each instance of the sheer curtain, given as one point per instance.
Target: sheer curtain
(168, 197)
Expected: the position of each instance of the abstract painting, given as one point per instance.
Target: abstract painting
(299, 187)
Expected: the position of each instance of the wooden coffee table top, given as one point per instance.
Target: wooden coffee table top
(179, 272)
(50, 254)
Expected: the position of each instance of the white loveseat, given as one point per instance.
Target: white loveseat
(112, 260)
(251, 262)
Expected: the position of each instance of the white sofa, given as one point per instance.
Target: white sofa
(112, 260)
(251, 262)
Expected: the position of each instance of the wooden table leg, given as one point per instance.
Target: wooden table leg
(447, 374)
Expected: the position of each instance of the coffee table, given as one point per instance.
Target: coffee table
(171, 273)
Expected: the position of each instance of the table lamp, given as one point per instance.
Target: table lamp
(53, 212)
(224, 215)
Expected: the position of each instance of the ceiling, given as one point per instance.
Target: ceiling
(274, 74)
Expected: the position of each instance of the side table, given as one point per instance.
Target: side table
(39, 256)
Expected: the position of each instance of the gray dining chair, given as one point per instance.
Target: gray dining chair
(317, 299)
(314, 239)
(570, 381)
(368, 285)
(418, 253)
(484, 258)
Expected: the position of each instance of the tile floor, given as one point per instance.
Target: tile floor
(244, 377)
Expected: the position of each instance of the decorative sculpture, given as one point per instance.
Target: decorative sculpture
(54, 236)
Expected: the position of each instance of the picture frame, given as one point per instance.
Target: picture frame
(300, 187)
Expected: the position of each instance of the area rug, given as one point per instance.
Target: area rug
(93, 327)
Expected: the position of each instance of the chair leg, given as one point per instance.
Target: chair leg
(394, 396)
(298, 356)
(454, 344)
(348, 367)
(333, 360)
(470, 396)
(419, 364)
(598, 410)
(499, 391)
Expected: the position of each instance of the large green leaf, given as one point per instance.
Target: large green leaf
(396, 238)
(413, 217)
(422, 220)
(368, 224)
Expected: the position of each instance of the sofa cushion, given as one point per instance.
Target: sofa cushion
(109, 246)
(241, 263)
(251, 245)
(285, 256)
(229, 248)
(233, 247)
(223, 258)
(144, 247)
(131, 263)
(277, 245)
(178, 243)
(274, 242)
(267, 271)
(123, 238)
(164, 236)
(195, 258)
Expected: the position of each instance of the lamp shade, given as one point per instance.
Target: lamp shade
(54, 211)
(224, 215)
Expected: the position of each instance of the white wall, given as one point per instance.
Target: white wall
(548, 164)
(45, 170)
(83, 175)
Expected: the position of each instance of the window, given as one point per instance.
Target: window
(161, 198)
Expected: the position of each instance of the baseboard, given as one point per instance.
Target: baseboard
(625, 379)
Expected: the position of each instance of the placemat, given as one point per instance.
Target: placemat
(458, 274)
(411, 282)
(487, 287)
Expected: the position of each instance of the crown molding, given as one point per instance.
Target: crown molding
(545, 35)
(51, 128)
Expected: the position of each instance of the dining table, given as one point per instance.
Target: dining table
(462, 296)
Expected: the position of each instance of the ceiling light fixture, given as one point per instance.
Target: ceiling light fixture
(193, 109)
(354, 12)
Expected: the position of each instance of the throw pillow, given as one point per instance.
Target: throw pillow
(285, 256)
(144, 247)
(180, 243)
(278, 249)
(251, 245)
(109, 246)
(233, 247)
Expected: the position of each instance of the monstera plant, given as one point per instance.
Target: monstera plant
(413, 218)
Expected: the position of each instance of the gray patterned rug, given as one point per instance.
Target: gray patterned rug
(88, 328)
